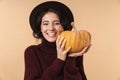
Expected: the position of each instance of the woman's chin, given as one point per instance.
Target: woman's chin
(51, 40)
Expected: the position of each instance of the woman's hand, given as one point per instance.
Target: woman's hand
(81, 52)
(61, 52)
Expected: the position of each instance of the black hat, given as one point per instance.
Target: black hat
(58, 6)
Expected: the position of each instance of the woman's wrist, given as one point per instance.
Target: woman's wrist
(61, 58)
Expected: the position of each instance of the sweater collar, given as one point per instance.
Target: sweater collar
(49, 44)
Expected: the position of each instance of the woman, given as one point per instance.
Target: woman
(49, 60)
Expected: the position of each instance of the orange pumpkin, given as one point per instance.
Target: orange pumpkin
(77, 40)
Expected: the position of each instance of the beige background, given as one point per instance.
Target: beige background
(100, 17)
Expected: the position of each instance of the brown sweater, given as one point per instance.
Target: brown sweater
(41, 63)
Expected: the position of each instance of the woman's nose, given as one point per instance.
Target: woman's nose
(51, 27)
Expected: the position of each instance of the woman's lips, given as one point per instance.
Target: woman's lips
(51, 34)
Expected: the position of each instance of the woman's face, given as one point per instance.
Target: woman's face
(51, 26)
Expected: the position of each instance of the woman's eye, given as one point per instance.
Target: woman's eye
(45, 23)
(57, 23)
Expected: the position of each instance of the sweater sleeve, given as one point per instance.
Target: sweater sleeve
(34, 72)
(80, 64)
(74, 69)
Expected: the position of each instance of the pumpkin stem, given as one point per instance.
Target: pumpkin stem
(73, 25)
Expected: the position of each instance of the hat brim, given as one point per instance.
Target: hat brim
(53, 5)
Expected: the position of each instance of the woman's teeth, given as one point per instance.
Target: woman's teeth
(51, 34)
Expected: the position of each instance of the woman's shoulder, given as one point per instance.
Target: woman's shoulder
(31, 52)
(32, 48)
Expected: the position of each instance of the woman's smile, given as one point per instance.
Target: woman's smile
(51, 34)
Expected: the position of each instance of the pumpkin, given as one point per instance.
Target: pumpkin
(77, 40)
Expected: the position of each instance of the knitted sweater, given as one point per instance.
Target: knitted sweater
(41, 63)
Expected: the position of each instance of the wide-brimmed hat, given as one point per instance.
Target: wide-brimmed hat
(46, 5)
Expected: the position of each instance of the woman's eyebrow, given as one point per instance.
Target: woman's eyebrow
(45, 21)
(56, 20)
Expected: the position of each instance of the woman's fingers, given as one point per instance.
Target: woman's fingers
(63, 44)
(67, 50)
(61, 52)
(87, 48)
(81, 52)
(59, 41)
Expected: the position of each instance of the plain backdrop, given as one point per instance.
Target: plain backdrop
(100, 17)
